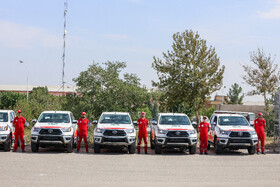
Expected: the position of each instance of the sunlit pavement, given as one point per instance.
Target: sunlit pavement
(55, 167)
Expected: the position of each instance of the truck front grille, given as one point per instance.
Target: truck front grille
(114, 140)
(50, 131)
(240, 134)
(177, 140)
(178, 134)
(114, 133)
(240, 141)
(50, 138)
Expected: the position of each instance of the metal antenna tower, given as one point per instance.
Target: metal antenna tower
(64, 45)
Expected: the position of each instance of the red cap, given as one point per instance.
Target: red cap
(204, 117)
(19, 111)
(260, 114)
(83, 113)
(143, 113)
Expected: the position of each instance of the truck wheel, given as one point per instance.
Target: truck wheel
(96, 148)
(69, 147)
(152, 142)
(131, 148)
(192, 149)
(7, 145)
(252, 150)
(158, 149)
(218, 148)
(34, 147)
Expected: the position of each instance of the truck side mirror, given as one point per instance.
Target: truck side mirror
(94, 122)
(154, 122)
(194, 124)
(34, 120)
(75, 121)
(213, 123)
(134, 122)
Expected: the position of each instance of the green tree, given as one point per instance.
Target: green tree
(234, 94)
(39, 101)
(9, 99)
(102, 89)
(263, 76)
(155, 110)
(189, 73)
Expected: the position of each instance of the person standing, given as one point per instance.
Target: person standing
(83, 134)
(19, 123)
(203, 128)
(142, 133)
(260, 125)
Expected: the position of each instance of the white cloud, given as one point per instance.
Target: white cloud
(14, 35)
(116, 36)
(273, 13)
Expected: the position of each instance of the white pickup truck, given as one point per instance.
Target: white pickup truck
(114, 129)
(54, 128)
(6, 129)
(173, 130)
(231, 131)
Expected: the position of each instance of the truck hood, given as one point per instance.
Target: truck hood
(53, 125)
(175, 127)
(237, 128)
(114, 126)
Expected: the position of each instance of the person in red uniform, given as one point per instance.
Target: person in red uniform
(83, 126)
(142, 133)
(203, 128)
(19, 123)
(260, 125)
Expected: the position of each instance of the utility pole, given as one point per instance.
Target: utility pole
(64, 46)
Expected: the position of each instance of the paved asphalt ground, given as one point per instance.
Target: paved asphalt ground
(53, 167)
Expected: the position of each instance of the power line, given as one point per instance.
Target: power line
(64, 45)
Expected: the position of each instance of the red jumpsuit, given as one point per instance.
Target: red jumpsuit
(260, 124)
(82, 124)
(142, 134)
(203, 128)
(19, 131)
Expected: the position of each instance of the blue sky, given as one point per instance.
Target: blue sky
(132, 31)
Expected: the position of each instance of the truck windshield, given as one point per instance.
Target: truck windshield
(252, 117)
(233, 120)
(115, 118)
(54, 118)
(174, 120)
(3, 117)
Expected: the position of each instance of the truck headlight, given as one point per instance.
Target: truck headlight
(224, 132)
(67, 129)
(35, 129)
(4, 128)
(161, 131)
(253, 132)
(99, 130)
(192, 132)
(129, 130)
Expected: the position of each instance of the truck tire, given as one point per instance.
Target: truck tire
(131, 148)
(152, 142)
(252, 150)
(96, 148)
(158, 149)
(69, 147)
(192, 149)
(34, 147)
(218, 148)
(7, 145)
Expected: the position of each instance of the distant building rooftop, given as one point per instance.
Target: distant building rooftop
(54, 90)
